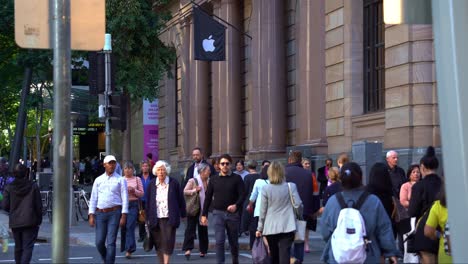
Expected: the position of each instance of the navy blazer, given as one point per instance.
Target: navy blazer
(303, 179)
(176, 204)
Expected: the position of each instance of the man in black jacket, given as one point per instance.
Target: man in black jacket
(22, 200)
(303, 179)
(322, 175)
(397, 174)
(197, 157)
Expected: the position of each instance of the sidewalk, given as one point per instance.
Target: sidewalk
(83, 234)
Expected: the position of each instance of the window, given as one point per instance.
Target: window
(374, 56)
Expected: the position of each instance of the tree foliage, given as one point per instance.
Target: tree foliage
(142, 59)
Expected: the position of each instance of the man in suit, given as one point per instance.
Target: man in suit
(197, 157)
(322, 175)
(298, 175)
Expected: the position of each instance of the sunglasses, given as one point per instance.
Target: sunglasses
(224, 163)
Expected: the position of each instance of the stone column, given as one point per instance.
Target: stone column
(184, 61)
(268, 89)
(227, 86)
(198, 130)
(217, 77)
(310, 123)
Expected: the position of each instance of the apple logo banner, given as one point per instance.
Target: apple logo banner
(208, 44)
(209, 37)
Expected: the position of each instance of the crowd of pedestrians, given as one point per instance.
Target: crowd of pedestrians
(404, 215)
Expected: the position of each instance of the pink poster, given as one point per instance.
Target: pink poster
(150, 128)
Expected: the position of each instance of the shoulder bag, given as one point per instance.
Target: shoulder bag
(299, 235)
(141, 210)
(192, 202)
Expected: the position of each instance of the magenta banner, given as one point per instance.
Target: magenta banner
(150, 128)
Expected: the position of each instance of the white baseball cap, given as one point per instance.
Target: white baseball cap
(109, 158)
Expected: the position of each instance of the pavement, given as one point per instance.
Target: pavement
(82, 234)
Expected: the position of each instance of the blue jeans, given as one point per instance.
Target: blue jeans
(130, 245)
(107, 226)
(298, 251)
(224, 221)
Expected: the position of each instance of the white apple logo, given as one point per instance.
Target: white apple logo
(208, 44)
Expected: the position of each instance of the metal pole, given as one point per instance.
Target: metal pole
(61, 41)
(108, 91)
(73, 221)
(450, 39)
(19, 131)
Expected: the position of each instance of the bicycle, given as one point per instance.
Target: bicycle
(47, 200)
(82, 203)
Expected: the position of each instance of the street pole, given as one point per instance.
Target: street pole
(451, 57)
(61, 42)
(73, 221)
(19, 131)
(107, 62)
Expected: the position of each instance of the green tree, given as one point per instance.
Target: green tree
(142, 58)
(13, 62)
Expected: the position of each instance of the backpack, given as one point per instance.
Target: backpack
(349, 240)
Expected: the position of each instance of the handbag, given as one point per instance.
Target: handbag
(399, 211)
(141, 213)
(148, 241)
(301, 225)
(141, 210)
(260, 252)
(192, 202)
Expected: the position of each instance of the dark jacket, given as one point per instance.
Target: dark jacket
(298, 175)
(322, 179)
(423, 194)
(398, 177)
(176, 204)
(190, 171)
(330, 191)
(151, 177)
(249, 182)
(22, 199)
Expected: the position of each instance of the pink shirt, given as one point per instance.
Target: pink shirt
(405, 194)
(134, 182)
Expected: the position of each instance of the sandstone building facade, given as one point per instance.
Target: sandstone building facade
(315, 75)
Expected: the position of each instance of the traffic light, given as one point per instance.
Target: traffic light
(118, 111)
(97, 73)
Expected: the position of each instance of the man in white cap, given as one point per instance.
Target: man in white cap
(108, 208)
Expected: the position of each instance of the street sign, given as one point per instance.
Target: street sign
(33, 23)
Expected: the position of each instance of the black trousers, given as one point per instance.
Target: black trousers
(190, 235)
(280, 247)
(24, 243)
(141, 226)
(252, 229)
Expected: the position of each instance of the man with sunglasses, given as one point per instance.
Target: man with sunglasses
(228, 192)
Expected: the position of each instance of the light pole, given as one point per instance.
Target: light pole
(61, 41)
(108, 91)
(73, 117)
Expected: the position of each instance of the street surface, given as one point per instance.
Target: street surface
(89, 254)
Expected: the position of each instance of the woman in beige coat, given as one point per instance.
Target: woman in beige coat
(277, 219)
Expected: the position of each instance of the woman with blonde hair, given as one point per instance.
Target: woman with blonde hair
(277, 218)
(334, 187)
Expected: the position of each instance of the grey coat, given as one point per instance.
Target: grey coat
(276, 211)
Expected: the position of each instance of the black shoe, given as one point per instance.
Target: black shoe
(141, 239)
(187, 255)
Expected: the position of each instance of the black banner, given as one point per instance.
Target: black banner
(209, 37)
